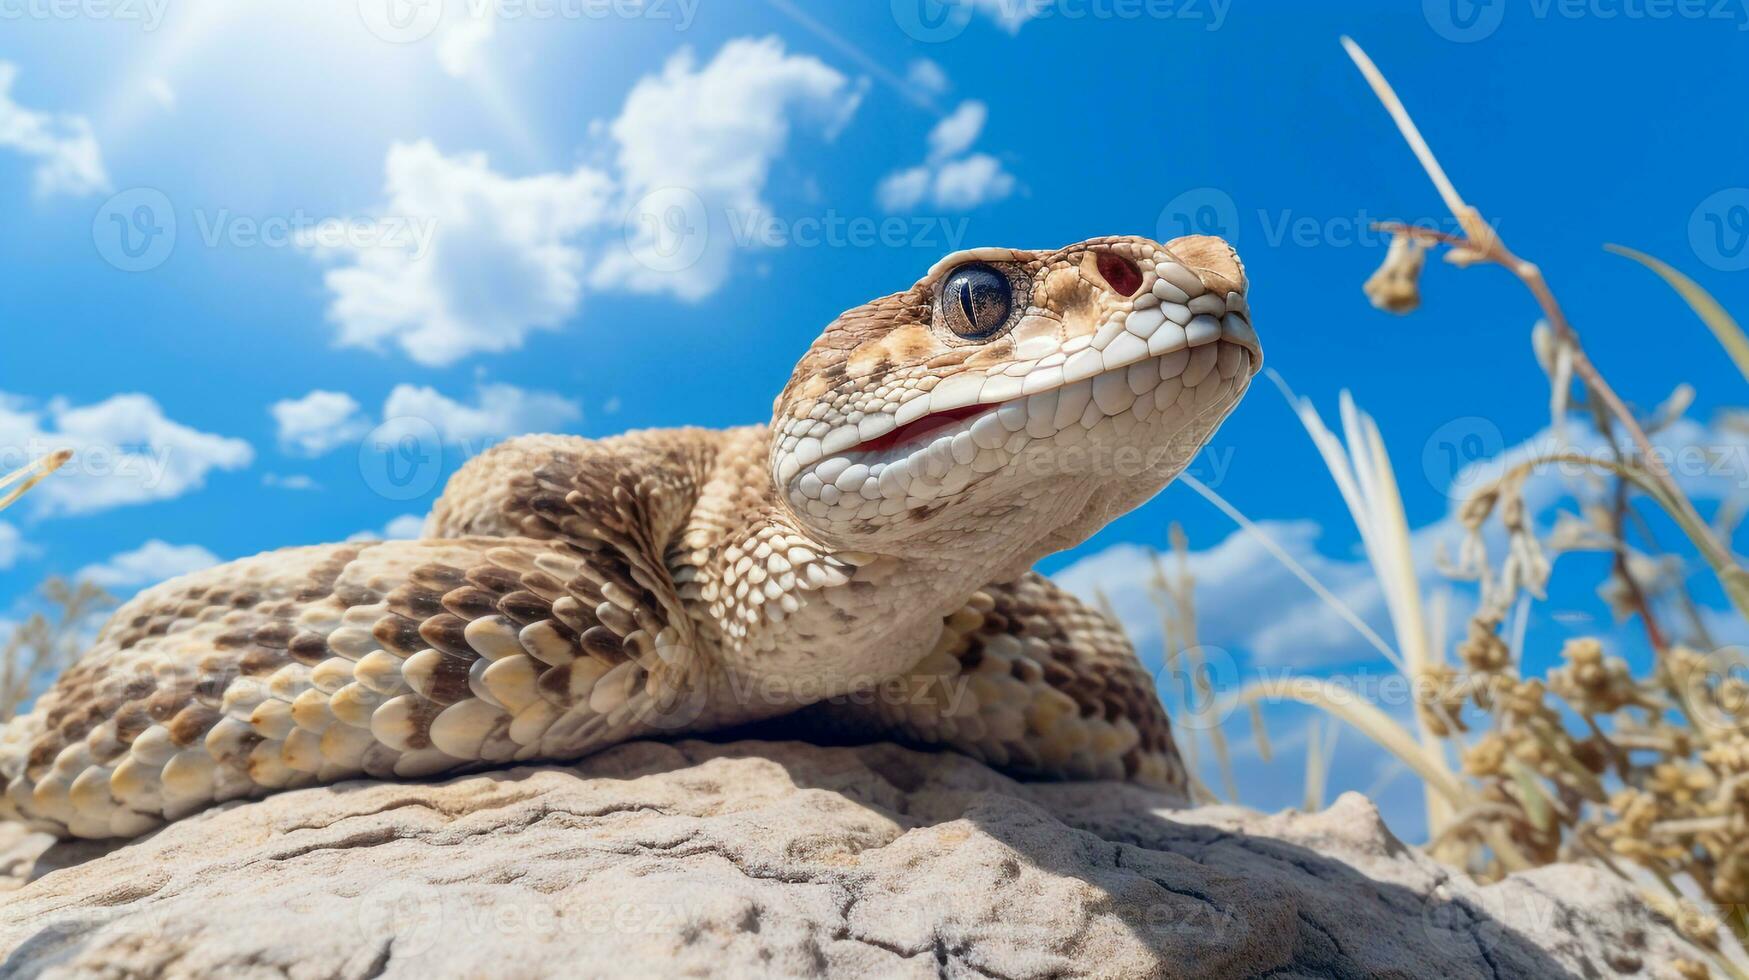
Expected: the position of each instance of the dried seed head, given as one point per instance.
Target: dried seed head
(1396, 286)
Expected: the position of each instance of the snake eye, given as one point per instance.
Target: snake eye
(976, 300)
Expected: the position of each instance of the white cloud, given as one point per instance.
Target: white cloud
(161, 92)
(68, 160)
(498, 411)
(125, 452)
(904, 189)
(928, 76)
(403, 528)
(290, 481)
(317, 422)
(964, 184)
(11, 545)
(1011, 15)
(949, 177)
(323, 421)
(509, 255)
(713, 131)
(460, 44)
(502, 258)
(150, 563)
(1708, 461)
(1300, 629)
(956, 133)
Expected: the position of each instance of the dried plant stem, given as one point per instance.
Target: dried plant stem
(32, 474)
(1481, 242)
(1386, 733)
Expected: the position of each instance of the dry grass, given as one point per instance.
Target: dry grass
(44, 644)
(1647, 775)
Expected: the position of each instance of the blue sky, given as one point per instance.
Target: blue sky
(588, 217)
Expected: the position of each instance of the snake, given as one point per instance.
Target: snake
(859, 567)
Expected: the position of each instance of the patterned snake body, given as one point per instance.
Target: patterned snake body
(861, 564)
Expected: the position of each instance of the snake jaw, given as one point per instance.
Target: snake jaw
(1081, 374)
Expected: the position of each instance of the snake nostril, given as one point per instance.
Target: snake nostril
(1121, 274)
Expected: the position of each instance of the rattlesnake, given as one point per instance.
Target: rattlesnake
(859, 565)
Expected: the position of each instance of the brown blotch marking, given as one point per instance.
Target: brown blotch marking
(164, 704)
(141, 686)
(191, 724)
(438, 576)
(493, 579)
(262, 660)
(419, 719)
(308, 649)
(357, 595)
(444, 632)
(525, 607)
(470, 602)
(449, 681)
(275, 635)
(322, 578)
(42, 755)
(397, 634)
(415, 602)
(78, 724)
(549, 505)
(130, 721)
(603, 643)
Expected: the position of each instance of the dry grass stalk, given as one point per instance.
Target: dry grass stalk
(42, 646)
(1645, 775)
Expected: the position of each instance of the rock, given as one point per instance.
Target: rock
(778, 858)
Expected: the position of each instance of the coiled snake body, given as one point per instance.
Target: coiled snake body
(861, 564)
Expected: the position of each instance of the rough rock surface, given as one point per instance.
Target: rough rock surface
(777, 858)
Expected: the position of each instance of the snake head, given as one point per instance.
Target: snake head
(1051, 390)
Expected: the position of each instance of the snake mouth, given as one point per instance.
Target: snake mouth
(923, 428)
(1058, 397)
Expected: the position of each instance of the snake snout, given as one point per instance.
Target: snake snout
(1213, 260)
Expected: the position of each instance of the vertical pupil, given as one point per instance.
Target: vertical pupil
(966, 303)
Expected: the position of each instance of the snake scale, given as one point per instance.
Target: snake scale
(860, 565)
